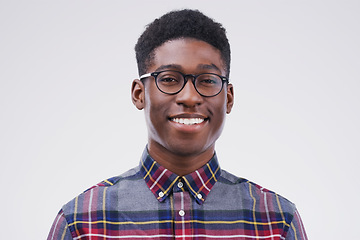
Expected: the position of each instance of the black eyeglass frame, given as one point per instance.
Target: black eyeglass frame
(185, 76)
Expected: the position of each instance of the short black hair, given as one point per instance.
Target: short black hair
(185, 23)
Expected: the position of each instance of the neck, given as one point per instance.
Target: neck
(180, 164)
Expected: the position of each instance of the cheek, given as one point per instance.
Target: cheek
(219, 120)
(219, 105)
(219, 113)
(155, 109)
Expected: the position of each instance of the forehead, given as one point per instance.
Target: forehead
(188, 55)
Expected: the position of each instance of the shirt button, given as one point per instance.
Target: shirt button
(161, 194)
(180, 185)
(199, 196)
(181, 213)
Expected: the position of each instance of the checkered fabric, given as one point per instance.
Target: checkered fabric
(151, 202)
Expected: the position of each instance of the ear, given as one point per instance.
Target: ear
(138, 94)
(229, 98)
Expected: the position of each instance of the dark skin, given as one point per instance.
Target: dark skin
(183, 148)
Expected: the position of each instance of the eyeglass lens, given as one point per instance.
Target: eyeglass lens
(206, 84)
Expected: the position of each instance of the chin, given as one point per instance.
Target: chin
(188, 149)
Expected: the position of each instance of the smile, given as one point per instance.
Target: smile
(188, 121)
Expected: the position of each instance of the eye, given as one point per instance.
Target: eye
(168, 79)
(208, 80)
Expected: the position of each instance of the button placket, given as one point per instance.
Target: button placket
(182, 210)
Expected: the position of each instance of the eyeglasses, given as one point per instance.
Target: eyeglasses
(172, 82)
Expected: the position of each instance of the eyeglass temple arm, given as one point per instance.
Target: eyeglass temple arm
(145, 75)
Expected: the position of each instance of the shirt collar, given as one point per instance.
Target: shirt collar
(161, 181)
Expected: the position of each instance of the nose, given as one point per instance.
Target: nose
(188, 96)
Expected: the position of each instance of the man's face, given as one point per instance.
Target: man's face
(185, 124)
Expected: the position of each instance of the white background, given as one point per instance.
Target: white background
(67, 121)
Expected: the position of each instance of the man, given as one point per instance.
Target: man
(178, 190)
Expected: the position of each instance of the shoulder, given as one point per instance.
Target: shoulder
(132, 174)
(257, 196)
(263, 204)
(121, 182)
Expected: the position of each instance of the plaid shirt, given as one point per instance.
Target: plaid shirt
(209, 203)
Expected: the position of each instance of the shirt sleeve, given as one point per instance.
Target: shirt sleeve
(296, 229)
(59, 229)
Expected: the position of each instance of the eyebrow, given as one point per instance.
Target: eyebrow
(209, 66)
(179, 68)
(169, 66)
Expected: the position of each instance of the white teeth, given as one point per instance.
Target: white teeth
(188, 121)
